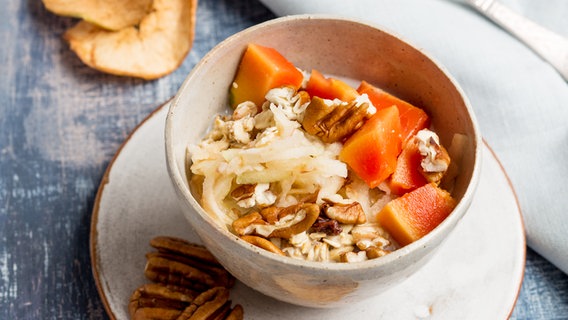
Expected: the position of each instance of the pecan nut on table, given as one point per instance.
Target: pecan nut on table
(187, 283)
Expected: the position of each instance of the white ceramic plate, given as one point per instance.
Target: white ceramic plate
(477, 273)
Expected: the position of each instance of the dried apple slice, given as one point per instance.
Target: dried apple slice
(154, 48)
(108, 14)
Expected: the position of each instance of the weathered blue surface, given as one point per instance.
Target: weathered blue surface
(61, 123)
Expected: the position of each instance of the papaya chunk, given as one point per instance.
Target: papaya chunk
(412, 119)
(416, 213)
(371, 151)
(407, 175)
(329, 88)
(261, 69)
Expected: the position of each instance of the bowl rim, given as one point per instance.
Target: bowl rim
(452, 219)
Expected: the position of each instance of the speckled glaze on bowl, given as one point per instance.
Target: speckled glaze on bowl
(344, 48)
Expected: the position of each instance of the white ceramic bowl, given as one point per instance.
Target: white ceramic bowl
(344, 48)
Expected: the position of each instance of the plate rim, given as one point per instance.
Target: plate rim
(93, 233)
(521, 220)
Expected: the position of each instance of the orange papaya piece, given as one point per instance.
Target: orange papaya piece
(329, 88)
(415, 214)
(412, 119)
(371, 152)
(261, 69)
(407, 175)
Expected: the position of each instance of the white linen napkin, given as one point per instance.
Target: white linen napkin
(520, 101)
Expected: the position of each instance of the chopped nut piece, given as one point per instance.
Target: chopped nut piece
(286, 98)
(436, 159)
(310, 198)
(443, 159)
(250, 195)
(263, 243)
(245, 224)
(243, 191)
(311, 212)
(334, 121)
(351, 213)
(245, 109)
(273, 214)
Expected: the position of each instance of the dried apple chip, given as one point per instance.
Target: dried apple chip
(108, 14)
(152, 49)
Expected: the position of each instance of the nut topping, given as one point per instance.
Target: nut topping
(246, 224)
(274, 214)
(347, 213)
(311, 212)
(442, 158)
(435, 158)
(263, 243)
(250, 195)
(243, 191)
(332, 121)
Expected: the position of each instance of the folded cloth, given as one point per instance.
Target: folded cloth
(520, 101)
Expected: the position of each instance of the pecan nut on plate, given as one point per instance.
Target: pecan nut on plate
(188, 283)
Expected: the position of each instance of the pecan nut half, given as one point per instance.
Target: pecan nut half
(347, 213)
(184, 248)
(170, 272)
(211, 304)
(178, 260)
(153, 300)
(156, 302)
(237, 313)
(332, 121)
(190, 285)
(263, 243)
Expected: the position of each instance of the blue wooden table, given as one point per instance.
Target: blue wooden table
(60, 125)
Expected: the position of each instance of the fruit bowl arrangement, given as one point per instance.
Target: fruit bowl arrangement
(321, 160)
